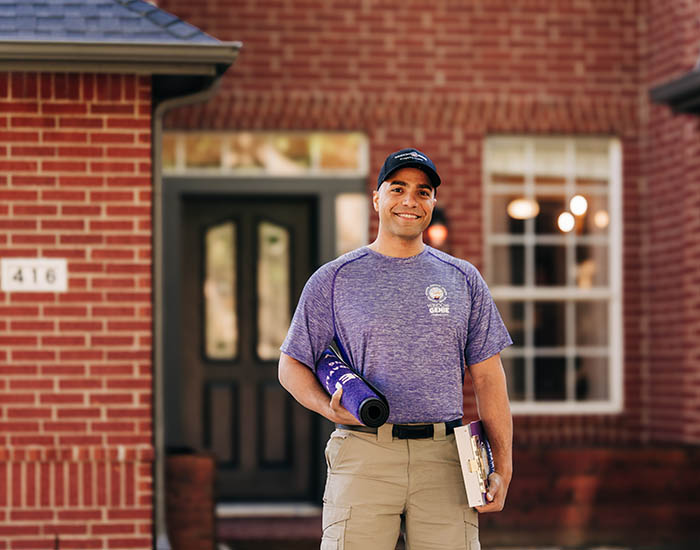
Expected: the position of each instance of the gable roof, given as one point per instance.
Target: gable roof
(134, 21)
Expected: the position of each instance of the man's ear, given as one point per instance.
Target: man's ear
(375, 200)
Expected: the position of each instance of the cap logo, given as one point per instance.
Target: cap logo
(412, 154)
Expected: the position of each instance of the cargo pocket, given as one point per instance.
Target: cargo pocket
(334, 520)
(471, 529)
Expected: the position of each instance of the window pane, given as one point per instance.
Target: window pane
(550, 378)
(513, 314)
(339, 151)
(169, 151)
(592, 159)
(351, 222)
(550, 157)
(501, 222)
(273, 288)
(506, 156)
(550, 265)
(514, 368)
(591, 266)
(220, 319)
(246, 151)
(592, 323)
(550, 324)
(508, 265)
(203, 150)
(592, 378)
(596, 219)
(550, 208)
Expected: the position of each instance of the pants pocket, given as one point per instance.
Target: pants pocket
(334, 445)
(334, 520)
(471, 529)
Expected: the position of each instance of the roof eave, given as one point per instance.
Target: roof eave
(681, 94)
(171, 58)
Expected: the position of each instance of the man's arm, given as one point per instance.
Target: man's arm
(301, 382)
(491, 392)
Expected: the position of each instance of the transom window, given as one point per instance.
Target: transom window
(553, 263)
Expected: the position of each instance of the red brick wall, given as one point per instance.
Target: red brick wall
(75, 367)
(672, 197)
(442, 76)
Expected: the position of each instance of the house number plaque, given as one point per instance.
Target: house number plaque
(34, 275)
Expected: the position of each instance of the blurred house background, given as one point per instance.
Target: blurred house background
(570, 182)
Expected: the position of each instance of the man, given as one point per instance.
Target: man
(409, 318)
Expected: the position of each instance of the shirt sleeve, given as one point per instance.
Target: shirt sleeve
(486, 333)
(311, 329)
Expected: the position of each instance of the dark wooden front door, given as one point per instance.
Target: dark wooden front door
(244, 263)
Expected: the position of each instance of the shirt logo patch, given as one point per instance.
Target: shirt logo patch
(437, 295)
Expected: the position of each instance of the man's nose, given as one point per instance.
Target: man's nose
(409, 199)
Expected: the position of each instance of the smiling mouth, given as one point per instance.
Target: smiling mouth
(407, 215)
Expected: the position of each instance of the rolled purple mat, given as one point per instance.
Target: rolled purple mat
(362, 400)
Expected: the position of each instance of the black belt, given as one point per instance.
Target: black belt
(406, 431)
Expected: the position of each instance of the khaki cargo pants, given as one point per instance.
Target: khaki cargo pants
(374, 479)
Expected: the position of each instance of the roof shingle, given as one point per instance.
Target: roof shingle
(134, 21)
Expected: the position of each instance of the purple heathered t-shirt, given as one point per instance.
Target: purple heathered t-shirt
(409, 325)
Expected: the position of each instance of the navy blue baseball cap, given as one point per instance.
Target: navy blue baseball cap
(408, 158)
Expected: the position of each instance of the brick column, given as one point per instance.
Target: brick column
(75, 367)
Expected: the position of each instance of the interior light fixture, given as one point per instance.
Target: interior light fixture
(566, 222)
(578, 205)
(523, 209)
(437, 230)
(601, 219)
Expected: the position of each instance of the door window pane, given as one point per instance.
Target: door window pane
(219, 290)
(273, 287)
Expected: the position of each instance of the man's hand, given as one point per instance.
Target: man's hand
(496, 494)
(339, 414)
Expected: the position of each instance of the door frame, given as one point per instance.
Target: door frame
(175, 190)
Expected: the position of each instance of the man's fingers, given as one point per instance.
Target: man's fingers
(493, 488)
(335, 399)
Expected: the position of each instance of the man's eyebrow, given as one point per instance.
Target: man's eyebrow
(420, 185)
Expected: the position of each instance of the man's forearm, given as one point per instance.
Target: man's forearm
(298, 380)
(301, 382)
(494, 410)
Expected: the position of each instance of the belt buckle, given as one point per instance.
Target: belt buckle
(423, 431)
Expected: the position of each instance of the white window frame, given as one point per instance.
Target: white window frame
(569, 294)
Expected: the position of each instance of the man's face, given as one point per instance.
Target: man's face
(405, 202)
